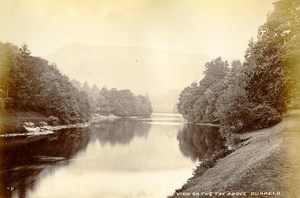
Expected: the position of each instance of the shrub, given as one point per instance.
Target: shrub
(42, 123)
(264, 116)
(52, 120)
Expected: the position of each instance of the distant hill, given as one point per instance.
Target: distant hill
(165, 102)
(155, 72)
(138, 69)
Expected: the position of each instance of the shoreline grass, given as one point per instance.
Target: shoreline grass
(255, 166)
(12, 122)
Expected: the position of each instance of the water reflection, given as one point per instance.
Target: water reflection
(199, 142)
(119, 131)
(137, 156)
(24, 158)
(22, 161)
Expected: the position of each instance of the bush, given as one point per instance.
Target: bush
(264, 116)
(42, 123)
(52, 120)
(231, 139)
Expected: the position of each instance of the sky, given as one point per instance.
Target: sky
(208, 27)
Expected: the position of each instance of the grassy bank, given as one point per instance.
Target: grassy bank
(12, 122)
(268, 162)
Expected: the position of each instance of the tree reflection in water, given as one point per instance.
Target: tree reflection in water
(199, 142)
(22, 161)
(24, 158)
(119, 131)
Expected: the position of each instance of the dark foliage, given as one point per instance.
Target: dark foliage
(122, 103)
(29, 83)
(197, 103)
(255, 94)
(273, 63)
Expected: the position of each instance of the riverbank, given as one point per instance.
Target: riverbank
(12, 122)
(260, 168)
(30, 123)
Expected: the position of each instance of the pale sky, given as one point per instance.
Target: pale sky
(208, 27)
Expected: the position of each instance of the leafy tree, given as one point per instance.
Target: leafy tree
(31, 84)
(95, 90)
(254, 94)
(187, 100)
(273, 60)
(21, 82)
(214, 71)
(122, 103)
(86, 88)
(8, 53)
(76, 84)
(197, 102)
(233, 109)
(144, 106)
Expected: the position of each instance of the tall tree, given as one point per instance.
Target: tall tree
(21, 84)
(76, 84)
(86, 88)
(273, 60)
(8, 54)
(31, 84)
(197, 102)
(122, 103)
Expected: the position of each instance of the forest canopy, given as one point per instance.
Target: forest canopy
(122, 103)
(30, 83)
(257, 93)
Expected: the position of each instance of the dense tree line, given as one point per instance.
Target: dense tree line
(254, 94)
(92, 93)
(122, 103)
(273, 61)
(197, 103)
(30, 83)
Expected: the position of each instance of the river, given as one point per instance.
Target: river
(146, 158)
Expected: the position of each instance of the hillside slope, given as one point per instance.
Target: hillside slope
(138, 69)
(268, 163)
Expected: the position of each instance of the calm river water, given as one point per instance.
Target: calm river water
(146, 158)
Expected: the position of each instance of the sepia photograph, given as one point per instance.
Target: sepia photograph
(149, 98)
